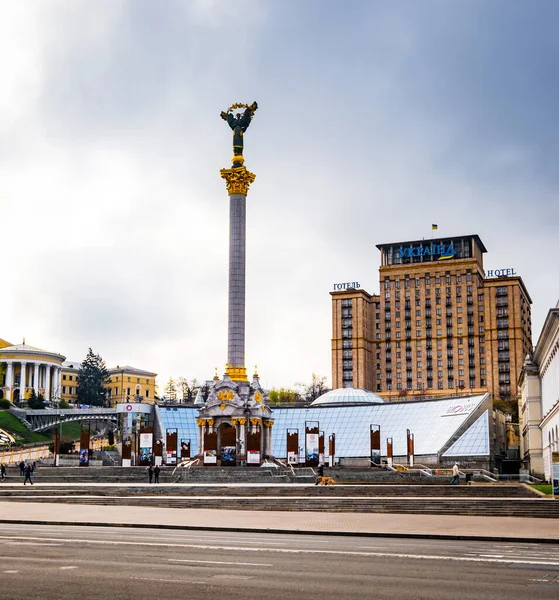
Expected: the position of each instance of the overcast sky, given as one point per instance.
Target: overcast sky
(376, 119)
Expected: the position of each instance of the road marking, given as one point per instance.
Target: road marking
(70, 567)
(169, 580)
(11, 571)
(219, 562)
(30, 544)
(492, 555)
(305, 551)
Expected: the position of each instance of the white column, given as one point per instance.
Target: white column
(36, 379)
(55, 383)
(47, 383)
(9, 379)
(22, 381)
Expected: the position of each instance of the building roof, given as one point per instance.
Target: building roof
(72, 364)
(347, 395)
(129, 369)
(25, 349)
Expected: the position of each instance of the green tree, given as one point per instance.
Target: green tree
(171, 390)
(36, 401)
(92, 378)
(283, 396)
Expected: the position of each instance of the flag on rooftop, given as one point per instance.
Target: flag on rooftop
(434, 226)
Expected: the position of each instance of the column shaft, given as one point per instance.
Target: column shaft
(22, 381)
(36, 379)
(47, 383)
(237, 267)
(9, 379)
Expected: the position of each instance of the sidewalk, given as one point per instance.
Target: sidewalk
(362, 524)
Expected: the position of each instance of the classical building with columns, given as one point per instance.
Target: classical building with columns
(26, 368)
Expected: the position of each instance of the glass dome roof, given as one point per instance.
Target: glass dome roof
(347, 395)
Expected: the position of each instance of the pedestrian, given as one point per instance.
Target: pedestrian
(21, 468)
(28, 473)
(156, 472)
(3, 471)
(455, 475)
(320, 473)
(150, 473)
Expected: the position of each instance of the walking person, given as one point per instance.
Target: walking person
(3, 471)
(28, 473)
(319, 473)
(156, 472)
(455, 475)
(150, 473)
(21, 468)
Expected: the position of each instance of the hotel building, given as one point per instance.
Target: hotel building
(440, 324)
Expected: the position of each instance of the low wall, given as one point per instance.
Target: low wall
(70, 462)
(14, 457)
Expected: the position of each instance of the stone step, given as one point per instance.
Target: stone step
(417, 491)
(529, 508)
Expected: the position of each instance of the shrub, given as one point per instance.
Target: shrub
(5, 404)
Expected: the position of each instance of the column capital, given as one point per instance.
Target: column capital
(237, 180)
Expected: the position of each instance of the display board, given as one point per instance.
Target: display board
(292, 446)
(210, 448)
(85, 434)
(171, 442)
(375, 444)
(311, 443)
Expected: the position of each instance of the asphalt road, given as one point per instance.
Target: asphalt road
(50, 563)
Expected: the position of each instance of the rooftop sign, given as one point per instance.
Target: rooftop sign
(459, 409)
(443, 251)
(346, 286)
(501, 273)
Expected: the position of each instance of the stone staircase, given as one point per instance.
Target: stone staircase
(237, 488)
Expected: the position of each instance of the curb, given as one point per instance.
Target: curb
(363, 534)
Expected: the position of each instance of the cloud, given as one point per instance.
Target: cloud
(375, 120)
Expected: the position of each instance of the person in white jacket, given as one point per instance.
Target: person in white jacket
(455, 475)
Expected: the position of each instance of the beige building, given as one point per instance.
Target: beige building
(440, 324)
(125, 384)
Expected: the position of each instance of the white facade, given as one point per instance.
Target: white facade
(539, 400)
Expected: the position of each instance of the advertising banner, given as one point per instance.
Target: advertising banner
(312, 447)
(146, 448)
(292, 449)
(185, 449)
(375, 444)
(84, 447)
(312, 430)
(210, 457)
(321, 448)
(253, 457)
(171, 446)
(210, 448)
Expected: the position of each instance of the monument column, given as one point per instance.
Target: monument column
(238, 180)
